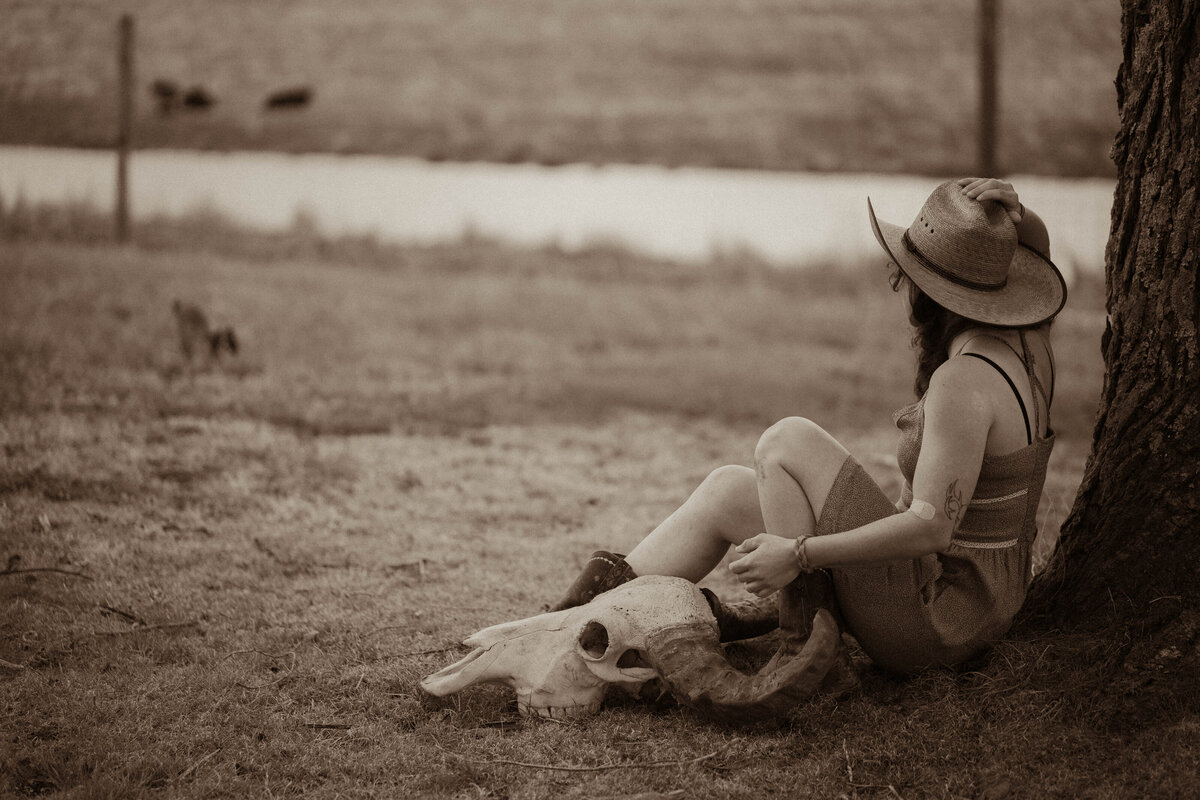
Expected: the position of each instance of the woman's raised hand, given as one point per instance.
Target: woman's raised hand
(997, 190)
(767, 565)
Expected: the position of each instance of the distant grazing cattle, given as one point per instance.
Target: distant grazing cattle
(198, 98)
(165, 93)
(296, 97)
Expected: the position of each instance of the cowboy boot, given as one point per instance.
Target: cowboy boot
(799, 602)
(603, 571)
(792, 609)
(745, 619)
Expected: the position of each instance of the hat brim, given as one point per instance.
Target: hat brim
(1035, 290)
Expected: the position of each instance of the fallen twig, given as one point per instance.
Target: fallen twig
(11, 665)
(55, 570)
(136, 620)
(597, 768)
(323, 726)
(262, 548)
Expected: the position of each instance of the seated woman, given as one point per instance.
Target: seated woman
(937, 577)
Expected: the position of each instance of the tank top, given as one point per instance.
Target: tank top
(1003, 510)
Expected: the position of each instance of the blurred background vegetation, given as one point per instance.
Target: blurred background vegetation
(838, 85)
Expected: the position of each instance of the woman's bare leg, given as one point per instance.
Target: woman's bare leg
(796, 463)
(723, 510)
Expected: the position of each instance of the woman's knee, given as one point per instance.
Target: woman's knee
(730, 482)
(799, 446)
(804, 451)
(789, 438)
(730, 497)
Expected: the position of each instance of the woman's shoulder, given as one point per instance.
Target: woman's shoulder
(960, 386)
(1011, 347)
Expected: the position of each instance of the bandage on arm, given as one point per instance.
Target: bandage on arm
(922, 509)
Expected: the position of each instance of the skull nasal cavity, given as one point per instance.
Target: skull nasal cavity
(632, 658)
(594, 639)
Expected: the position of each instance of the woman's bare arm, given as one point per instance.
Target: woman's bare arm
(958, 417)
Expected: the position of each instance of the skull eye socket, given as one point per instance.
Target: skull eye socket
(593, 639)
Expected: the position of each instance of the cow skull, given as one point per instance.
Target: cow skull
(561, 663)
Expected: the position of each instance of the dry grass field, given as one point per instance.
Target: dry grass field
(226, 582)
(875, 85)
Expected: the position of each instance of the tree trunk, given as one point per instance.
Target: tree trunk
(1130, 548)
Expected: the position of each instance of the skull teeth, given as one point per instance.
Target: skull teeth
(559, 712)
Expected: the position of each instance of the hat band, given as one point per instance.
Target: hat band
(951, 276)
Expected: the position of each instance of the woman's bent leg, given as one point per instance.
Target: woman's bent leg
(796, 464)
(723, 510)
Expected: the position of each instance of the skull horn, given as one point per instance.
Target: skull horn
(692, 663)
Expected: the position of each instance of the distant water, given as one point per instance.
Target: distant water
(793, 219)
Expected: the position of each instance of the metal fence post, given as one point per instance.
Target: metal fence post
(987, 88)
(124, 122)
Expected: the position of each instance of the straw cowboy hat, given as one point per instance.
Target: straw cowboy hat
(964, 254)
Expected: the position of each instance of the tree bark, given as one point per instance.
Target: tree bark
(1130, 548)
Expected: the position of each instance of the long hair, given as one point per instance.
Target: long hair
(934, 327)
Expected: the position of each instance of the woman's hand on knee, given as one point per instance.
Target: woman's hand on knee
(768, 563)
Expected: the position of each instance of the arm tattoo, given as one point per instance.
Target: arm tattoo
(954, 503)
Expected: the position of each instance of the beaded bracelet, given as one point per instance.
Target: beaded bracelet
(801, 553)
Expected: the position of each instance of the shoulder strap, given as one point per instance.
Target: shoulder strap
(1025, 355)
(994, 338)
(1011, 385)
